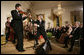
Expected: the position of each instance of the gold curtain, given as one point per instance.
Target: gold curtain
(60, 20)
(55, 22)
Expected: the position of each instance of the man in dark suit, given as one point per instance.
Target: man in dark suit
(54, 31)
(59, 32)
(7, 31)
(17, 25)
(40, 31)
(73, 36)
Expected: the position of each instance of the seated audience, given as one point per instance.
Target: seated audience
(53, 31)
(59, 32)
(65, 33)
(73, 36)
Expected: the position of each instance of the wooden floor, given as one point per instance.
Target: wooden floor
(9, 48)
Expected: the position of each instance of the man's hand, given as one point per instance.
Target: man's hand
(35, 24)
(24, 15)
(70, 36)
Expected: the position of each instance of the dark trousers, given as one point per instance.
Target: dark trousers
(38, 35)
(19, 36)
(14, 38)
(66, 41)
(7, 36)
(43, 33)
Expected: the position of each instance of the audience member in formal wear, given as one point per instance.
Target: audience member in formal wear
(73, 36)
(69, 29)
(59, 32)
(53, 31)
(63, 29)
(7, 31)
(63, 35)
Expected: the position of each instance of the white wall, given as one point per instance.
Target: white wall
(66, 14)
(6, 7)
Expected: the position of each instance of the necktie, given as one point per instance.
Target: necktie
(74, 30)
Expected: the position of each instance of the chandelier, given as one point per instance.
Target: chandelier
(59, 10)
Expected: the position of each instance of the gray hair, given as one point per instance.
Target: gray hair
(78, 22)
(40, 16)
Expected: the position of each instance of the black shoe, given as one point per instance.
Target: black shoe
(13, 42)
(20, 49)
(37, 43)
(35, 46)
(65, 47)
(70, 50)
(16, 47)
(50, 48)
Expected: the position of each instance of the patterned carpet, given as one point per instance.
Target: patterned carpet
(9, 48)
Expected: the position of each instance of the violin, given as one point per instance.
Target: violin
(21, 12)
